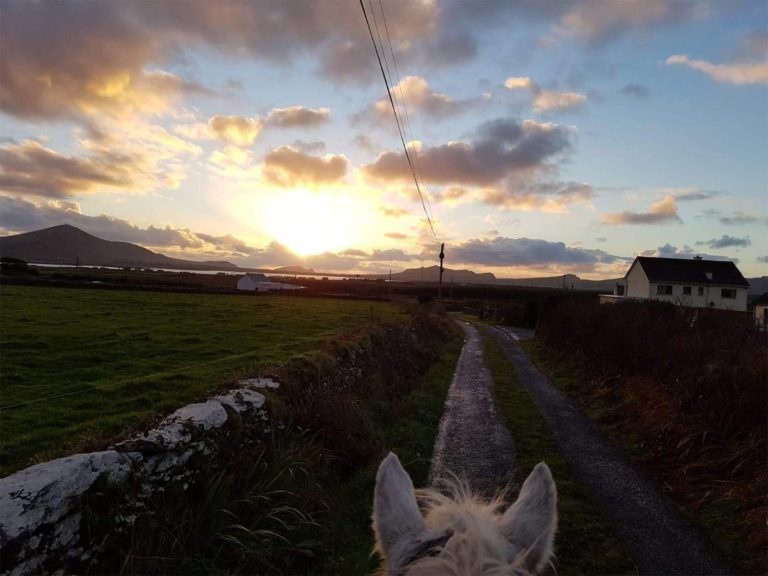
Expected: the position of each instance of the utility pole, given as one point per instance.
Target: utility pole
(440, 285)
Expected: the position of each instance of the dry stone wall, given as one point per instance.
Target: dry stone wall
(41, 507)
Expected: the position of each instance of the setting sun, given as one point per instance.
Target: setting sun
(314, 222)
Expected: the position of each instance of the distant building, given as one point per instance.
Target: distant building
(260, 283)
(760, 311)
(697, 283)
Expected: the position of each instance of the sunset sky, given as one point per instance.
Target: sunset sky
(551, 137)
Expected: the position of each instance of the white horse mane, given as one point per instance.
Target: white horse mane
(462, 534)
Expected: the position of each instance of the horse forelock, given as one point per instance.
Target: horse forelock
(474, 543)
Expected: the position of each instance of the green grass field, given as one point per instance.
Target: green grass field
(80, 366)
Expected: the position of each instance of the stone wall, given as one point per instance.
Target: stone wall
(41, 507)
(46, 510)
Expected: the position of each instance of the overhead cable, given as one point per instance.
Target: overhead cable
(397, 119)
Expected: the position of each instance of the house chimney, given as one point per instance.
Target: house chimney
(697, 257)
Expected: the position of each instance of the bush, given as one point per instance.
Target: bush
(711, 362)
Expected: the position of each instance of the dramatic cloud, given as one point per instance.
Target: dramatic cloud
(396, 235)
(285, 166)
(136, 162)
(546, 100)
(275, 254)
(663, 211)
(503, 147)
(418, 98)
(68, 59)
(235, 130)
(739, 73)
(450, 195)
(726, 241)
(502, 251)
(30, 168)
(509, 164)
(244, 130)
(297, 117)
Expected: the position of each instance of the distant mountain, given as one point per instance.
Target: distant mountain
(570, 281)
(66, 244)
(758, 285)
(294, 270)
(432, 274)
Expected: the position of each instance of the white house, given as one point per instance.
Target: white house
(260, 283)
(697, 283)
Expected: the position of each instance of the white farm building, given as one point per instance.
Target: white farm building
(697, 283)
(260, 283)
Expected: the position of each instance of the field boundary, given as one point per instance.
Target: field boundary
(65, 514)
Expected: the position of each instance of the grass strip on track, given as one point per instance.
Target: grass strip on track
(411, 435)
(586, 543)
(82, 366)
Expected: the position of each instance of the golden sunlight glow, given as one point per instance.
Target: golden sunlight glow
(314, 222)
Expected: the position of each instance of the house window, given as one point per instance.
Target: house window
(664, 290)
(701, 290)
(686, 290)
(728, 293)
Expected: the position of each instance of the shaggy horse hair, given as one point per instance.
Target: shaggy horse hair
(463, 534)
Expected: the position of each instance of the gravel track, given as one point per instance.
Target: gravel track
(472, 443)
(655, 536)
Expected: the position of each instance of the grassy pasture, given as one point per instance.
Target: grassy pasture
(82, 366)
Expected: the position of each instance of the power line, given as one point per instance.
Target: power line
(402, 98)
(397, 119)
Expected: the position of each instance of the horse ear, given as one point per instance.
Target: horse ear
(397, 520)
(530, 523)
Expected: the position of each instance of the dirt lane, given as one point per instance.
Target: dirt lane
(472, 443)
(658, 539)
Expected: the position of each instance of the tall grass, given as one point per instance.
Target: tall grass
(256, 514)
(711, 363)
(685, 389)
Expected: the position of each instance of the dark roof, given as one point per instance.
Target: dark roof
(682, 271)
